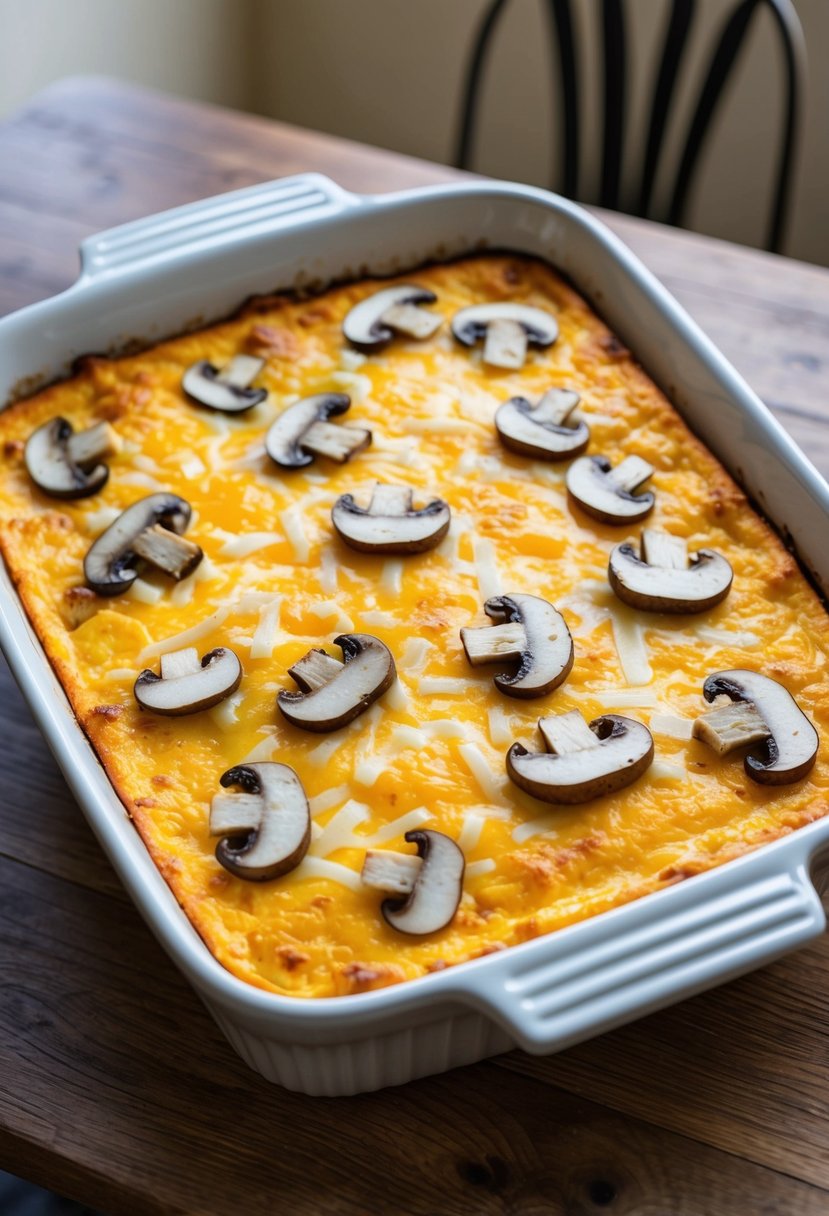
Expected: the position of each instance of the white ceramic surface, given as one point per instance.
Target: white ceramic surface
(155, 277)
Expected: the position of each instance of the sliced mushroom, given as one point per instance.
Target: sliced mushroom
(390, 524)
(303, 432)
(607, 493)
(663, 579)
(267, 827)
(187, 686)
(541, 430)
(332, 693)
(226, 389)
(765, 713)
(582, 760)
(150, 530)
(375, 320)
(67, 463)
(507, 329)
(435, 893)
(529, 631)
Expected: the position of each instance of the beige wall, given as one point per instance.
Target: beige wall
(389, 72)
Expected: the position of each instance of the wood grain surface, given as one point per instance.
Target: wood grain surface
(118, 1090)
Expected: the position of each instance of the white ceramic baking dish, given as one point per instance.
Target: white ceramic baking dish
(158, 276)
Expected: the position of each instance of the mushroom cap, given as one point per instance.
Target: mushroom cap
(283, 441)
(590, 483)
(469, 324)
(203, 384)
(367, 671)
(622, 752)
(437, 892)
(790, 751)
(363, 325)
(265, 835)
(521, 432)
(109, 563)
(546, 657)
(406, 531)
(705, 583)
(219, 676)
(51, 467)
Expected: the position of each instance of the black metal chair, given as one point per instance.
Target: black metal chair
(727, 46)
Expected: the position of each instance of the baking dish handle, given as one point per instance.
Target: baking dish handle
(214, 222)
(644, 962)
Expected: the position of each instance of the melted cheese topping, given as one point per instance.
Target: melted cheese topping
(276, 581)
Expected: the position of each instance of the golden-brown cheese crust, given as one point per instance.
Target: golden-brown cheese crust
(431, 407)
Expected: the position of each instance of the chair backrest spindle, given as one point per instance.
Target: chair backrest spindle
(615, 136)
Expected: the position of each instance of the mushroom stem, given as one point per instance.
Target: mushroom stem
(180, 663)
(336, 442)
(241, 371)
(412, 320)
(563, 733)
(487, 643)
(556, 406)
(314, 669)
(663, 550)
(394, 873)
(85, 448)
(730, 726)
(629, 474)
(173, 554)
(390, 500)
(505, 345)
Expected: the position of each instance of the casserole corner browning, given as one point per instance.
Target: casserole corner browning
(431, 754)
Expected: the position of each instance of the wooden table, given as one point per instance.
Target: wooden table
(117, 1088)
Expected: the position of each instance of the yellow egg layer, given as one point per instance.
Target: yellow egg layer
(431, 751)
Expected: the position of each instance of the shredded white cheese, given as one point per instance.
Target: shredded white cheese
(391, 580)
(145, 463)
(328, 570)
(318, 867)
(351, 360)
(366, 772)
(534, 827)
(446, 728)
(476, 868)
(437, 426)
(356, 384)
(663, 770)
(743, 639)
(323, 752)
(618, 698)
(473, 825)
(397, 699)
(478, 766)
(328, 799)
(187, 636)
(398, 827)
(629, 639)
(245, 543)
(500, 730)
(192, 467)
(144, 592)
(489, 579)
(291, 521)
(338, 833)
(415, 653)
(98, 521)
(404, 738)
(671, 726)
(264, 639)
(224, 715)
(453, 686)
(121, 673)
(375, 619)
(137, 478)
(328, 608)
(263, 750)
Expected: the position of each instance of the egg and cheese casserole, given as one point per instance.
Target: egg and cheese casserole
(276, 580)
